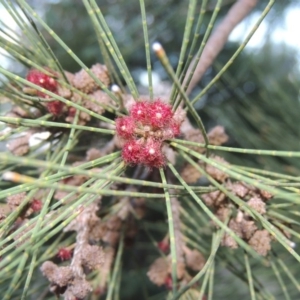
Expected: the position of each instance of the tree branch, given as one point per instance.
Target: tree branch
(218, 39)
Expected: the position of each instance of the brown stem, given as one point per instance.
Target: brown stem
(218, 39)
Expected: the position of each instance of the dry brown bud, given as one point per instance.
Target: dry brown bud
(266, 195)
(257, 204)
(194, 259)
(93, 154)
(15, 200)
(80, 288)
(229, 242)
(236, 227)
(190, 174)
(217, 136)
(248, 228)
(216, 198)
(85, 83)
(99, 98)
(70, 77)
(158, 271)
(216, 173)
(92, 256)
(64, 92)
(238, 188)
(244, 229)
(193, 135)
(261, 242)
(222, 213)
(60, 276)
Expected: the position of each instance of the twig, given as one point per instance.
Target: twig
(218, 39)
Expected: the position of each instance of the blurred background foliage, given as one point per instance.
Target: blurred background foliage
(257, 98)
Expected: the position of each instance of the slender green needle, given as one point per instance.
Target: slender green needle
(250, 278)
(171, 232)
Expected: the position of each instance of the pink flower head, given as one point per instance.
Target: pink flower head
(164, 246)
(42, 80)
(140, 112)
(169, 282)
(71, 111)
(64, 254)
(160, 114)
(131, 152)
(36, 205)
(55, 107)
(125, 127)
(152, 155)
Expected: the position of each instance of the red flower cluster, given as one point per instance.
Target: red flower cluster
(48, 83)
(144, 130)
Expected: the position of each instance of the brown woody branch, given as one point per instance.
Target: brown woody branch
(218, 39)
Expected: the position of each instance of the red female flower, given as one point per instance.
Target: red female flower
(152, 155)
(125, 127)
(64, 254)
(140, 112)
(164, 246)
(160, 114)
(36, 205)
(131, 152)
(169, 282)
(71, 111)
(39, 78)
(48, 83)
(55, 107)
